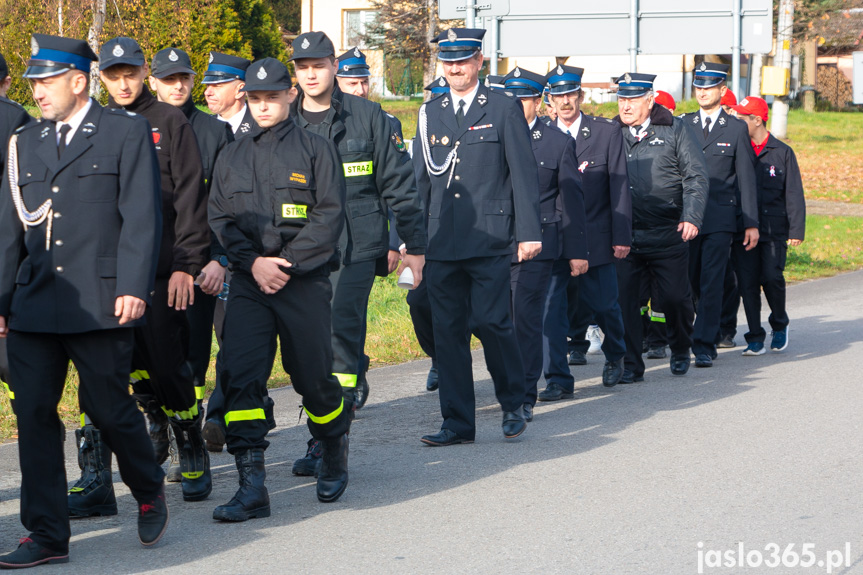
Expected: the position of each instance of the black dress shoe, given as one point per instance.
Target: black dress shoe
(152, 519)
(612, 372)
(431, 380)
(703, 360)
(630, 377)
(680, 364)
(657, 352)
(30, 554)
(444, 437)
(527, 409)
(554, 392)
(577, 358)
(513, 424)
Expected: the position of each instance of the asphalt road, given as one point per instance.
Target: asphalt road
(652, 478)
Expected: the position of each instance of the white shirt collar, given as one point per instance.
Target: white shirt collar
(713, 117)
(236, 119)
(573, 129)
(532, 124)
(74, 122)
(468, 99)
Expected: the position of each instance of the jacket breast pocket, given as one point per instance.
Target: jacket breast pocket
(367, 223)
(498, 218)
(547, 171)
(480, 147)
(97, 179)
(31, 175)
(295, 193)
(238, 189)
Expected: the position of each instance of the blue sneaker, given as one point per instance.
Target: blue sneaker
(755, 348)
(780, 340)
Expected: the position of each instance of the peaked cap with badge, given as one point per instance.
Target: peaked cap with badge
(438, 86)
(708, 74)
(53, 55)
(169, 61)
(564, 79)
(312, 45)
(352, 64)
(494, 82)
(225, 68)
(459, 43)
(268, 75)
(635, 85)
(121, 50)
(524, 83)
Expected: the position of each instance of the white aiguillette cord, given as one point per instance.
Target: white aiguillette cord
(42, 213)
(431, 166)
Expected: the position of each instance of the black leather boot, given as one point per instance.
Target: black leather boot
(333, 476)
(93, 493)
(252, 499)
(196, 479)
(157, 425)
(173, 474)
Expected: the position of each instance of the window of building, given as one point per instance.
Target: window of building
(354, 27)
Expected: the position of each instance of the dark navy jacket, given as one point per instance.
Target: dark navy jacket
(780, 192)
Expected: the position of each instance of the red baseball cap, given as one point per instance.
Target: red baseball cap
(753, 106)
(665, 99)
(729, 99)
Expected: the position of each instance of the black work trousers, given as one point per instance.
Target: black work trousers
(529, 282)
(762, 267)
(207, 313)
(352, 285)
(708, 258)
(668, 269)
(299, 314)
(39, 363)
(460, 291)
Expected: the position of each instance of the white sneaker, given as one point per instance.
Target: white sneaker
(595, 337)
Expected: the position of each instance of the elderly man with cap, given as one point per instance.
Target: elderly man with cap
(161, 377)
(573, 301)
(280, 286)
(79, 242)
(378, 175)
(478, 178)
(782, 224)
(668, 180)
(225, 77)
(732, 205)
(12, 117)
(561, 211)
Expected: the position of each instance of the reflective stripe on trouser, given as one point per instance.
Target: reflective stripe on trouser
(656, 316)
(346, 379)
(352, 285)
(299, 314)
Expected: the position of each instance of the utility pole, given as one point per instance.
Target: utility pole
(779, 114)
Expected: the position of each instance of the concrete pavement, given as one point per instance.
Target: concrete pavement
(647, 478)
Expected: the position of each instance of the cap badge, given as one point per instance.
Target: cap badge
(262, 73)
(305, 45)
(173, 56)
(559, 70)
(34, 46)
(442, 82)
(487, 82)
(357, 53)
(703, 67)
(745, 102)
(517, 73)
(451, 35)
(627, 78)
(211, 58)
(118, 51)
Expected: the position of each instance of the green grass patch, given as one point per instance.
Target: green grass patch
(833, 244)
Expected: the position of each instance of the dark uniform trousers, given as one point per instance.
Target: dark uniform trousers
(352, 285)
(668, 270)
(202, 321)
(762, 267)
(421, 317)
(529, 281)
(708, 258)
(555, 326)
(730, 297)
(161, 350)
(459, 291)
(652, 316)
(299, 314)
(580, 318)
(102, 359)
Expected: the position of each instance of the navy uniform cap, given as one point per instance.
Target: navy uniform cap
(352, 64)
(169, 61)
(494, 82)
(267, 74)
(524, 83)
(225, 68)
(312, 45)
(459, 43)
(120, 50)
(53, 55)
(438, 86)
(4, 68)
(708, 74)
(634, 85)
(564, 79)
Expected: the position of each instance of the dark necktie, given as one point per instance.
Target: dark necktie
(459, 115)
(61, 145)
(706, 127)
